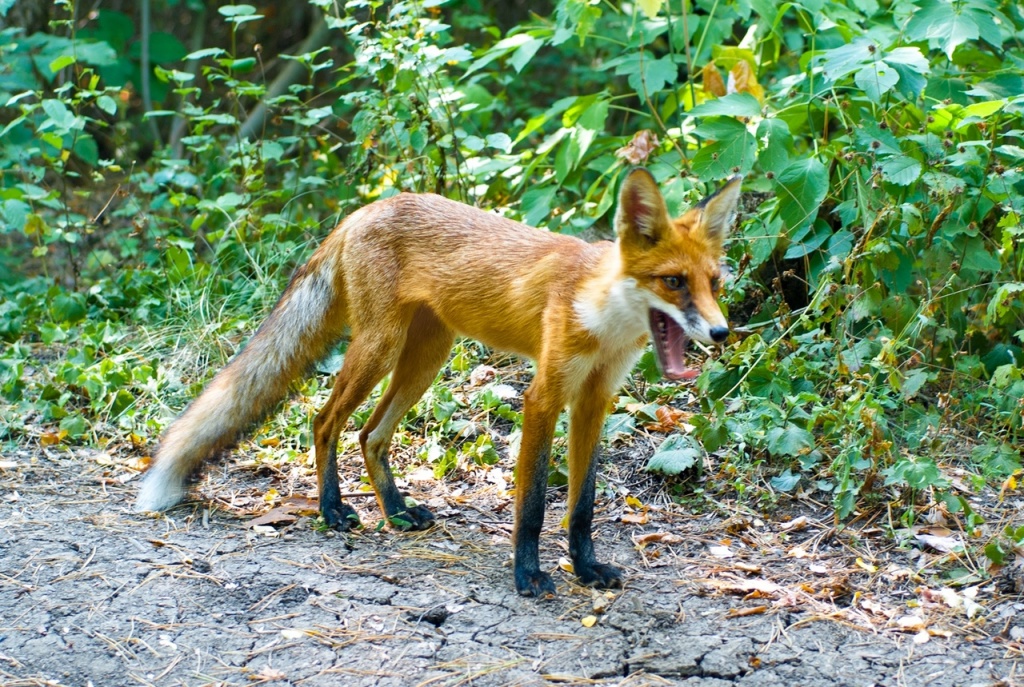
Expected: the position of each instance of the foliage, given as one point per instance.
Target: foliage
(879, 266)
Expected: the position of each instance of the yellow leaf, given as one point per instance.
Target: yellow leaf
(271, 495)
(589, 621)
(271, 442)
(51, 438)
(865, 566)
(650, 8)
(565, 564)
(634, 503)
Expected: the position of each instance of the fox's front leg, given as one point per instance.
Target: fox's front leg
(540, 412)
(585, 422)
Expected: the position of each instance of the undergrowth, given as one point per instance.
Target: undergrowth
(878, 286)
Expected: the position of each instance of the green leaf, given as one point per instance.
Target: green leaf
(801, 188)
(61, 62)
(595, 115)
(977, 257)
(67, 307)
(983, 109)
(524, 53)
(732, 147)
(536, 204)
(944, 24)
(909, 57)
(236, 10)
(107, 104)
(790, 441)
(846, 59)
(98, 54)
(901, 170)
(913, 382)
(651, 75)
(204, 53)
(64, 119)
(733, 105)
(775, 142)
(876, 80)
(650, 8)
(1001, 302)
(786, 482)
(501, 141)
(619, 426)
(675, 455)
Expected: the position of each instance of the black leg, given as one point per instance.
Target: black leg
(336, 513)
(581, 543)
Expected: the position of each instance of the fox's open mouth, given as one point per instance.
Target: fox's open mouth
(669, 343)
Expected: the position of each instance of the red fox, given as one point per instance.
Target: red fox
(405, 276)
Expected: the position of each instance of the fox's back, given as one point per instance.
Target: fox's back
(485, 276)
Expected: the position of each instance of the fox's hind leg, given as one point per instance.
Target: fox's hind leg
(371, 354)
(427, 346)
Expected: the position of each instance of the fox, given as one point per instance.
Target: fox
(404, 276)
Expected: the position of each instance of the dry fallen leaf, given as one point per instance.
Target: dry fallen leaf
(482, 374)
(601, 602)
(721, 551)
(270, 674)
(565, 564)
(589, 621)
(634, 518)
(669, 419)
(796, 524)
(910, 623)
(748, 588)
(661, 537)
(743, 612)
(941, 539)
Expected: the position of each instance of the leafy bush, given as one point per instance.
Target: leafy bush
(879, 280)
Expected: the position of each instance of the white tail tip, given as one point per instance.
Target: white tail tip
(159, 491)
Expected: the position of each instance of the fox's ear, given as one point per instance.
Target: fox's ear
(642, 213)
(718, 211)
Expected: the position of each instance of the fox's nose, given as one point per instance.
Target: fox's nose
(719, 334)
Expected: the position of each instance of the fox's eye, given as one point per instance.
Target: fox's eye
(673, 282)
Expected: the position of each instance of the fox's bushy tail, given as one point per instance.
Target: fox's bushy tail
(307, 320)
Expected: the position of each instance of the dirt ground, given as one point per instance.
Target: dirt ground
(93, 594)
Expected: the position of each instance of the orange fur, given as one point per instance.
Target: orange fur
(405, 276)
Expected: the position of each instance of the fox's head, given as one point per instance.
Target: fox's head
(676, 263)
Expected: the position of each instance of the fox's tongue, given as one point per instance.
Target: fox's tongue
(669, 343)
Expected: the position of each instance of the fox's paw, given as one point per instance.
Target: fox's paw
(412, 518)
(534, 583)
(341, 517)
(599, 575)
